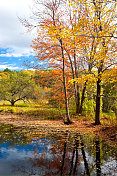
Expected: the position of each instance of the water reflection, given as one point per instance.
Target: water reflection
(98, 162)
(84, 157)
(66, 154)
(73, 168)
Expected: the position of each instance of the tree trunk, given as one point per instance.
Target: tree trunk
(97, 113)
(77, 101)
(76, 88)
(12, 102)
(65, 89)
(77, 96)
(82, 98)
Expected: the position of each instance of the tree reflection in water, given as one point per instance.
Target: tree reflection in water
(70, 157)
(98, 163)
(65, 157)
(84, 157)
(75, 151)
(62, 154)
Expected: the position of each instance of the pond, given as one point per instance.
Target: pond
(55, 154)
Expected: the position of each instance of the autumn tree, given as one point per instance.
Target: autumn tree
(78, 49)
(52, 80)
(52, 21)
(16, 86)
(48, 48)
(105, 39)
(59, 46)
(98, 24)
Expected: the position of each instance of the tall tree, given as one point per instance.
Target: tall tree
(61, 39)
(105, 56)
(99, 21)
(52, 25)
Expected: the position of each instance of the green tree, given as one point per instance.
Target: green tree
(16, 86)
(7, 70)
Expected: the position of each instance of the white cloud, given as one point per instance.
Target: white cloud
(24, 53)
(32, 62)
(12, 32)
(10, 66)
(10, 55)
(32, 69)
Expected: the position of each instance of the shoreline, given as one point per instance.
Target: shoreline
(32, 122)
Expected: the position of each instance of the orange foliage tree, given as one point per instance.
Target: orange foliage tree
(60, 47)
(52, 79)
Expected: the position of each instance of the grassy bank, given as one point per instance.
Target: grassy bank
(30, 109)
(47, 112)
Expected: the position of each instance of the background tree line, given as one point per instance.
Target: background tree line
(46, 87)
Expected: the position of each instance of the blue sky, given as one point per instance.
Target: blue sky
(9, 60)
(15, 41)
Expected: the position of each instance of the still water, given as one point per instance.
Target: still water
(23, 154)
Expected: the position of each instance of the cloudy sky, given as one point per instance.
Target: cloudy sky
(15, 41)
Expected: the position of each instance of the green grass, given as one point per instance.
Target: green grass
(30, 109)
